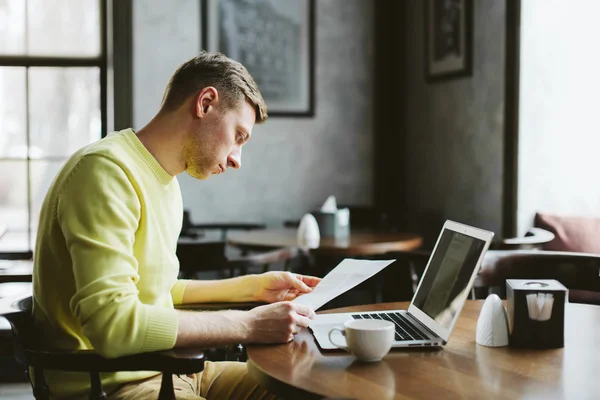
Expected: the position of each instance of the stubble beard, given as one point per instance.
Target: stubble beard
(197, 157)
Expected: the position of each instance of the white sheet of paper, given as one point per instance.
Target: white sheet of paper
(345, 276)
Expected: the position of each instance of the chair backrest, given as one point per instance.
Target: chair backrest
(576, 271)
(17, 310)
(194, 230)
(287, 255)
(196, 256)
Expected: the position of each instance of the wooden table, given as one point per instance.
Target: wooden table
(462, 369)
(357, 244)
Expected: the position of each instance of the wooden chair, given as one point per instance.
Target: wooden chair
(195, 230)
(203, 247)
(29, 353)
(578, 272)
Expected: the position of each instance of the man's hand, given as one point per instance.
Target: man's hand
(283, 286)
(277, 323)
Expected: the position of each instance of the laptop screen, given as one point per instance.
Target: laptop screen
(444, 286)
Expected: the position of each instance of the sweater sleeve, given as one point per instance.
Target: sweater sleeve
(178, 290)
(98, 211)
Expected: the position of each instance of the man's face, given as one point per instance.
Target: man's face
(217, 142)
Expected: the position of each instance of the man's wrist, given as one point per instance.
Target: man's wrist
(248, 287)
(241, 321)
(244, 320)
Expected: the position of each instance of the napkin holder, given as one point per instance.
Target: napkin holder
(333, 224)
(536, 313)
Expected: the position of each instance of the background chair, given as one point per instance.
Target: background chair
(203, 249)
(195, 259)
(578, 272)
(572, 233)
(194, 230)
(29, 353)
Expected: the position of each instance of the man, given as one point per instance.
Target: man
(105, 273)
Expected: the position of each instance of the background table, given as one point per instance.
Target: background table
(331, 251)
(462, 369)
(359, 243)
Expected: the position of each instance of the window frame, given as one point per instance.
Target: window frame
(27, 62)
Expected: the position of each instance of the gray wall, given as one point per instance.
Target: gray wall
(454, 128)
(559, 135)
(291, 165)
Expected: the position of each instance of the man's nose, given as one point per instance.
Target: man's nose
(234, 160)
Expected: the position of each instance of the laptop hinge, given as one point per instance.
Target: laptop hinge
(425, 328)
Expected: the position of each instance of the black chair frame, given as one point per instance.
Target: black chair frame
(28, 353)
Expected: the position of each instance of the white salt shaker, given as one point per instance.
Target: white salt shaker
(308, 232)
(492, 325)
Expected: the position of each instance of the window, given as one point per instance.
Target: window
(52, 101)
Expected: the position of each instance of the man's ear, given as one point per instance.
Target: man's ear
(206, 101)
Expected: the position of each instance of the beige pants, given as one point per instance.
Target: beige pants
(219, 380)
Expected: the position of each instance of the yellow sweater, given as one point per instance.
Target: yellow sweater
(105, 275)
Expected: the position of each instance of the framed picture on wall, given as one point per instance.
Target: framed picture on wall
(274, 40)
(448, 38)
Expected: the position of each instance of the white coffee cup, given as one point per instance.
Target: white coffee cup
(367, 339)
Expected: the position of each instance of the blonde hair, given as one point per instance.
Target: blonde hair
(231, 79)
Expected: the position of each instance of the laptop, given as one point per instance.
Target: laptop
(438, 300)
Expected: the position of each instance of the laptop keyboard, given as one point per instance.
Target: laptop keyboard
(404, 327)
